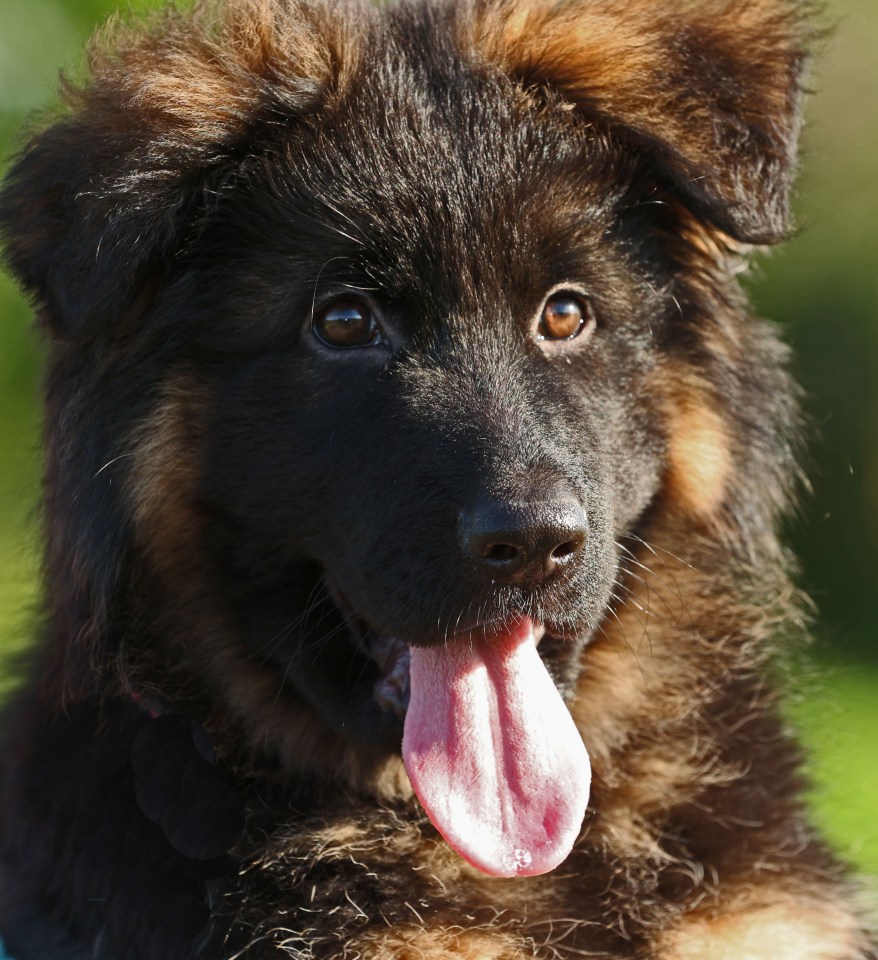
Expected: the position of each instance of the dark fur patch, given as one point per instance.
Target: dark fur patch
(249, 528)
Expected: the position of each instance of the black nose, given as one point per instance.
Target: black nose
(523, 543)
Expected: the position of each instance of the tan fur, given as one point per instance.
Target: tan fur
(635, 692)
(622, 59)
(203, 75)
(699, 461)
(615, 55)
(800, 929)
(450, 943)
(164, 468)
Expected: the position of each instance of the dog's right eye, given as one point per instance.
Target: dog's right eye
(565, 316)
(345, 324)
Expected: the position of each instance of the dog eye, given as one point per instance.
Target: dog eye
(564, 317)
(346, 323)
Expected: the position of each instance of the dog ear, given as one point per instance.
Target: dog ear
(710, 92)
(103, 198)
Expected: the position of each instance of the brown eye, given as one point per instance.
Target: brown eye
(564, 317)
(346, 323)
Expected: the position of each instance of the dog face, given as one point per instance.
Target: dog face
(391, 336)
(470, 364)
(459, 381)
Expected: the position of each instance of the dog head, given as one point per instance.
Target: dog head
(381, 333)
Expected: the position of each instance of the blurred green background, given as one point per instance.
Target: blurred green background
(823, 289)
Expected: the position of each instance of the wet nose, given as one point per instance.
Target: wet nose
(523, 543)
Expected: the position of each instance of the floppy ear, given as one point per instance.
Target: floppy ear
(710, 93)
(104, 197)
(79, 239)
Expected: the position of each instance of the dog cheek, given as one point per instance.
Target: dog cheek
(164, 475)
(699, 461)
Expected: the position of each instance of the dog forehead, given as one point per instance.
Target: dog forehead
(445, 177)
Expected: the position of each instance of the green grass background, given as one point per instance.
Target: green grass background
(823, 289)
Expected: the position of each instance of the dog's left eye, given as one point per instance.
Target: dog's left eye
(564, 317)
(345, 324)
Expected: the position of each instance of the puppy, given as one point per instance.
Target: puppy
(413, 473)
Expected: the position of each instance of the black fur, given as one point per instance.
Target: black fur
(247, 528)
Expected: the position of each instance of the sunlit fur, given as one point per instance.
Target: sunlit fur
(214, 170)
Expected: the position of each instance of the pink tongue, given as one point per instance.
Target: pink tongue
(493, 754)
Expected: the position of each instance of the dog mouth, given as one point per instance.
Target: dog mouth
(392, 657)
(488, 744)
(392, 690)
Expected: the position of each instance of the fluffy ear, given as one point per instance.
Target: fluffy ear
(709, 92)
(104, 197)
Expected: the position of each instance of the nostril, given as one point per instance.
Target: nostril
(501, 552)
(567, 549)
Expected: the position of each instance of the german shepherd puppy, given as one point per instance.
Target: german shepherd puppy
(414, 468)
